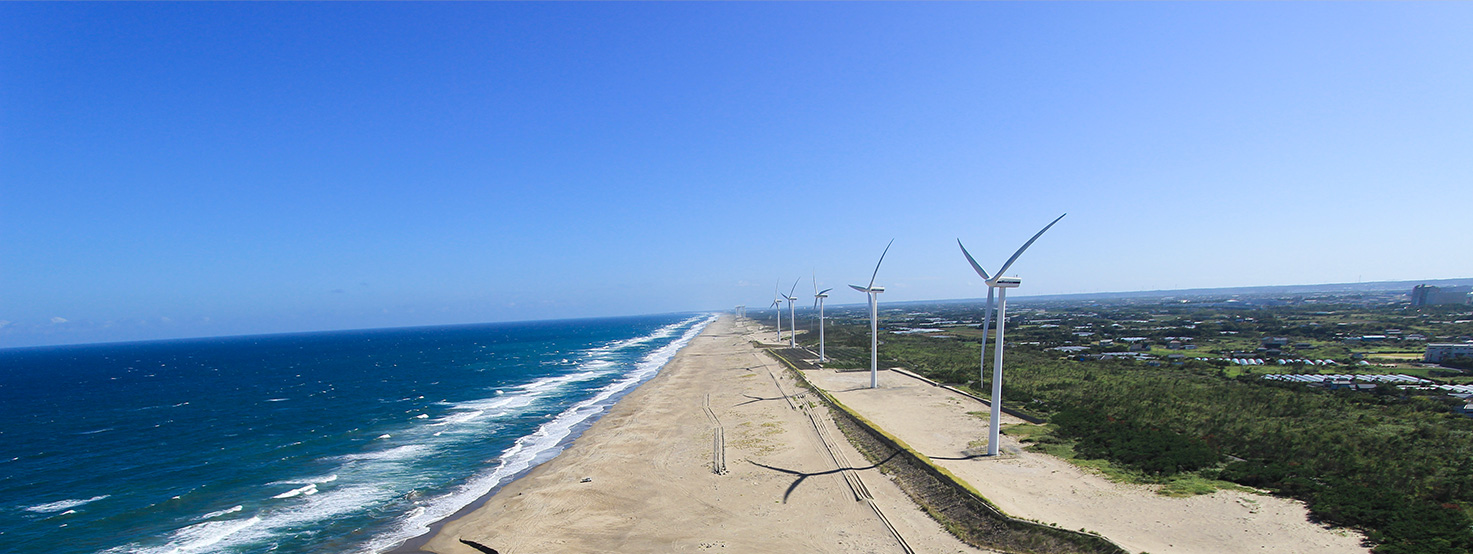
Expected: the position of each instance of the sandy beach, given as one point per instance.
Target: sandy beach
(717, 452)
(1050, 490)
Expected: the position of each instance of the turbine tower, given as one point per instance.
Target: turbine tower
(874, 312)
(792, 318)
(818, 296)
(777, 302)
(1001, 285)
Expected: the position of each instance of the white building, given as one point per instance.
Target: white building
(1436, 353)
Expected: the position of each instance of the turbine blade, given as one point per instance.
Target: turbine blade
(859, 288)
(795, 286)
(1025, 247)
(877, 266)
(974, 263)
(823, 291)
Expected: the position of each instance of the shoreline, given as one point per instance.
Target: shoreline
(712, 452)
(415, 544)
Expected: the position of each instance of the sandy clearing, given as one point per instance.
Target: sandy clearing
(1044, 488)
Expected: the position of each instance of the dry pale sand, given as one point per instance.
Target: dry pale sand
(1040, 487)
(641, 478)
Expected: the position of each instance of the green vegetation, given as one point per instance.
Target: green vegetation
(1395, 463)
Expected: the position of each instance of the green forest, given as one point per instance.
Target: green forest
(1397, 466)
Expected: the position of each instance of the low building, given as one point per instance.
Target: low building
(1437, 353)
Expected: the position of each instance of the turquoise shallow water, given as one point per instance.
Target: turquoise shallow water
(327, 442)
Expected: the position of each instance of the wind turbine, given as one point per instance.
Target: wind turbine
(792, 317)
(818, 296)
(777, 301)
(1001, 285)
(874, 312)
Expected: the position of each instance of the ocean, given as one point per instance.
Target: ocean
(346, 441)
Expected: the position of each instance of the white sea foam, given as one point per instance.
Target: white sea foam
(194, 538)
(658, 334)
(303, 491)
(549, 383)
(227, 511)
(219, 536)
(62, 505)
(535, 448)
(458, 417)
(398, 453)
(315, 480)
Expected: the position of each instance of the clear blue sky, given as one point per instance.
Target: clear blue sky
(175, 170)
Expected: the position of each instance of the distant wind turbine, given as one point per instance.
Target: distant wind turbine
(792, 317)
(818, 296)
(778, 303)
(1001, 285)
(874, 312)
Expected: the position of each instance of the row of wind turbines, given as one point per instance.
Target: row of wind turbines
(996, 283)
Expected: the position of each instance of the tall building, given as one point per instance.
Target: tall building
(1427, 295)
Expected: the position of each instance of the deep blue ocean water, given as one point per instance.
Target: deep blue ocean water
(326, 442)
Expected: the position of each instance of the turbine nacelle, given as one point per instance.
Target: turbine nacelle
(998, 281)
(868, 290)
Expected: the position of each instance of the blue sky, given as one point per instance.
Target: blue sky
(177, 170)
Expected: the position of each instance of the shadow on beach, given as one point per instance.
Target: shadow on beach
(803, 475)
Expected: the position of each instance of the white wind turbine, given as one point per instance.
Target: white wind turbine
(792, 317)
(1001, 285)
(874, 312)
(818, 296)
(777, 302)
